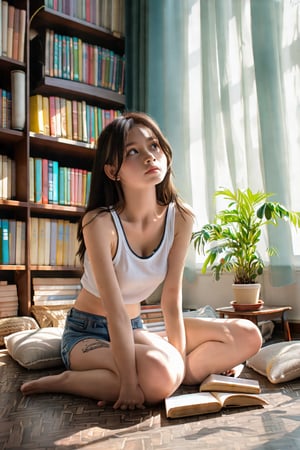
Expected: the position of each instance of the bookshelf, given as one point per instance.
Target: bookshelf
(23, 146)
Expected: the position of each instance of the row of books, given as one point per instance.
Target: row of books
(12, 241)
(5, 108)
(7, 178)
(8, 299)
(71, 58)
(108, 14)
(51, 183)
(55, 291)
(53, 242)
(69, 119)
(12, 31)
(152, 317)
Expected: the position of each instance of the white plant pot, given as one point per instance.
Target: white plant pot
(245, 294)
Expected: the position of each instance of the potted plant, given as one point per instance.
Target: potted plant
(230, 242)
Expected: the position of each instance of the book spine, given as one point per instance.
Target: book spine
(20, 242)
(21, 46)
(16, 34)
(45, 181)
(4, 27)
(10, 30)
(59, 242)
(12, 241)
(52, 116)
(61, 199)
(4, 176)
(36, 114)
(31, 179)
(46, 116)
(41, 241)
(5, 241)
(50, 181)
(53, 238)
(38, 180)
(55, 182)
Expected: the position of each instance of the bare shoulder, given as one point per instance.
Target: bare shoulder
(184, 217)
(97, 217)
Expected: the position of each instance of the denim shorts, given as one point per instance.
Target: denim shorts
(81, 325)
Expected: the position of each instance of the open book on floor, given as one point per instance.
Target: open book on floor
(215, 382)
(216, 392)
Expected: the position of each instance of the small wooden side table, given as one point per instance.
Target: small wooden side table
(271, 311)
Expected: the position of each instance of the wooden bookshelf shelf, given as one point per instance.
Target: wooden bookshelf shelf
(74, 270)
(11, 136)
(71, 25)
(70, 148)
(82, 91)
(12, 267)
(25, 147)
(12, 204)
(60, 210)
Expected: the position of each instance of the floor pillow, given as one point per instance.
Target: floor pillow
(279, 362)
(36, 349)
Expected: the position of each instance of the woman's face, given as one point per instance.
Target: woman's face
(144, 161)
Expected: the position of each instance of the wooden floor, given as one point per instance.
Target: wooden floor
(43, 422)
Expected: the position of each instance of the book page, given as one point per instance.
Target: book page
(215, 382)
(228, 399)
(191, 404)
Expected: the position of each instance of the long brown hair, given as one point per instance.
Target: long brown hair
(106, 193)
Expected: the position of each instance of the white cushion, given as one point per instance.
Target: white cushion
(38, 349)
(279, 362)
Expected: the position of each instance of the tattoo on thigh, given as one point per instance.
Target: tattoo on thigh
(93, 345)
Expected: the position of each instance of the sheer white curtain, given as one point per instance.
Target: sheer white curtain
(244, 91)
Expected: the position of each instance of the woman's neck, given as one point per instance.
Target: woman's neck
(140, 206)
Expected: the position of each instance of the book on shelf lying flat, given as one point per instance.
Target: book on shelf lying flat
(240, 392)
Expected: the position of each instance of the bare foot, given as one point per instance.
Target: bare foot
(234, 372)
(42, 385)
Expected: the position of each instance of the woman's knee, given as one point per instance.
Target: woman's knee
(160, 375)
(249, 336)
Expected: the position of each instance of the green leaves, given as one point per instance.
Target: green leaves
(230, 242)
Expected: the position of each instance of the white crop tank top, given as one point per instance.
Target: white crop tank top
(138, 276)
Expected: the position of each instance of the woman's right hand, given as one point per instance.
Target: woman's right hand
(130, 397)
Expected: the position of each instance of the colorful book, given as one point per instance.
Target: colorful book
(55, 182)
(46, 116)
(4, 241)
(38, 180)
(45, 181)
(60, 242)
(36, 114)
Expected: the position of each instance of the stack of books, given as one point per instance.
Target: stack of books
(8, 299)
(55, 291)
(152, 317)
